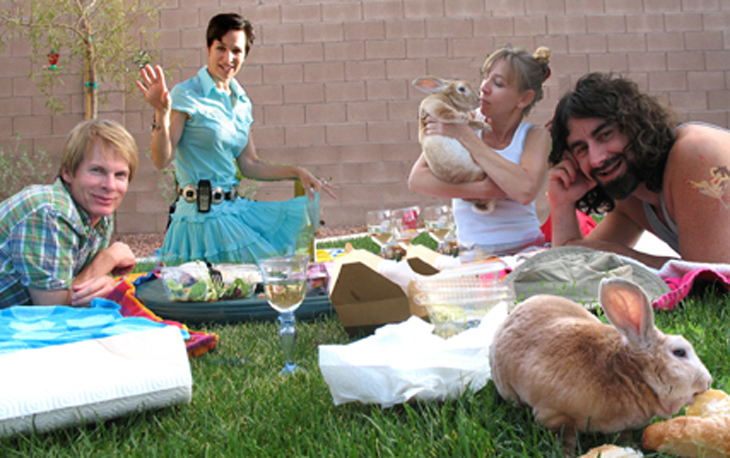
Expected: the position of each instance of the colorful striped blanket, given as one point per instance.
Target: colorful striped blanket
(124, 294)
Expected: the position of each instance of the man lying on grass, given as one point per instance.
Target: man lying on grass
(54, 239)
(616, 149)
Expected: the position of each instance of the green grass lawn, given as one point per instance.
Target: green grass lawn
(241, 406)
(366, 243)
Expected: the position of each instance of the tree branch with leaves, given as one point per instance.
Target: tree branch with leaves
(108, 39)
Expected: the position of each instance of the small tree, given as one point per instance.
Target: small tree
(108, 37)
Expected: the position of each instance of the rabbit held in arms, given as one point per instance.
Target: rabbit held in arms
(581, 374)
(449, 101)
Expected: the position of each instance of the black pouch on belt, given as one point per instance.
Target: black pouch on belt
(204, 196)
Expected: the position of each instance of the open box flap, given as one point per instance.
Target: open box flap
(357, 283)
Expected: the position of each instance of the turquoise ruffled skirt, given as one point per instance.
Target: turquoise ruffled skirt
(243, 231)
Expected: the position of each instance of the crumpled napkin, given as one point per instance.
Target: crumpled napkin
(406, 361)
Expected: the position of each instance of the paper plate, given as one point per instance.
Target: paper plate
(153, 296)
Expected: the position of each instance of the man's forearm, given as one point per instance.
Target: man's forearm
(565, 225)
(56, 297)
(647, 259)
(117, 256)
(103, 264)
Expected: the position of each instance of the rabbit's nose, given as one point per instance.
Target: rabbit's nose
(704, 382)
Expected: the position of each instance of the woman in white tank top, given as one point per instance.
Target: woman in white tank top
(514, 156)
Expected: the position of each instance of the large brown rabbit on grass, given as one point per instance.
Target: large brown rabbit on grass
(578, 373)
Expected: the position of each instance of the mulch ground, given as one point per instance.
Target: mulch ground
(144, 245)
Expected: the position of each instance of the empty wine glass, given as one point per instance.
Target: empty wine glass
(405, 224)
(380, 227)
(439, 221)
(285, 283)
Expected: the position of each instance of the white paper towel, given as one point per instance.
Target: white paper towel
(96, 379)
(406, 360)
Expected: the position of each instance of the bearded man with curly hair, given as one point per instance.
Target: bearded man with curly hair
(618, 151)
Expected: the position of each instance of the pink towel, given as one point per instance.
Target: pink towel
(681, 276)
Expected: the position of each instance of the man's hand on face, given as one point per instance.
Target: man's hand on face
(567, 183)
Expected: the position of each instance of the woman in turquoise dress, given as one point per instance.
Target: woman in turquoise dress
(204, 125)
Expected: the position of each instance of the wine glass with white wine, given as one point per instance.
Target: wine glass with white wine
(380, 227)
(285, 283)
(439, 221)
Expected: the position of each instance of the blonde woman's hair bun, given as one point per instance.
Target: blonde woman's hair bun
(542, 55)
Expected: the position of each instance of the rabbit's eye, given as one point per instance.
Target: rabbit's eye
(679, 353)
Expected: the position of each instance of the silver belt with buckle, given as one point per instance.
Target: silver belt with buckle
(217, 195)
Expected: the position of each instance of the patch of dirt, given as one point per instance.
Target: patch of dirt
(144, 245)
(327, 232)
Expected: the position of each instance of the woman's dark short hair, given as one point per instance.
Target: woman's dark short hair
(648, 125)
(221, 24)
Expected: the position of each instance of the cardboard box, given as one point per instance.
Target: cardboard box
(365, 300)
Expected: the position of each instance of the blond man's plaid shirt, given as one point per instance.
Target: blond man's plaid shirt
(46, 240)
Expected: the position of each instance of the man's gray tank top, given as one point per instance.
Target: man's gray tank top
(668, 232)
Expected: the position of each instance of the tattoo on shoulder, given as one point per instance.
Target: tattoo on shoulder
(712, 181)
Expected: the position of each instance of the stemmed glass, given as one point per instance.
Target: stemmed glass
(380, 227)
(439, 221)
(285, 283)
(405, 224)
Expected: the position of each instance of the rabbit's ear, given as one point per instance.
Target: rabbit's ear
(628, 309)
(430, 84)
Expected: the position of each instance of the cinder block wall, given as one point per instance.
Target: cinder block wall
(330, 80)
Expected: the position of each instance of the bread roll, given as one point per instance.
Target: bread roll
(711, 402)
(685, 436)
(704, 431)
(612, 451)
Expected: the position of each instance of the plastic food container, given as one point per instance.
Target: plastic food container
(476, 275)
(453, 313)
(250, 273)
(193, 282)
(458, 299)
(317, 279)
(188, 282)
